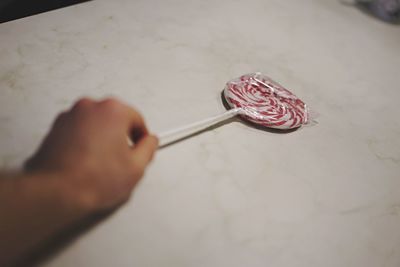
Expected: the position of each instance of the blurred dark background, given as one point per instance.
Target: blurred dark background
(15, 9)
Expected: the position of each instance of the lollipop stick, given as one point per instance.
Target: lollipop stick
(174, 135)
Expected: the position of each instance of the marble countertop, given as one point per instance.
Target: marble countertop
(326, 195)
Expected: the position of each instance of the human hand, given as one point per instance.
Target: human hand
(87, 151)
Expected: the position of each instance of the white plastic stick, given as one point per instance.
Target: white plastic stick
(187, 130)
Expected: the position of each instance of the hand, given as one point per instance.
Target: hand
(87, 150)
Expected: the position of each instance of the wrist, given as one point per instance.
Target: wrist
(57, 187)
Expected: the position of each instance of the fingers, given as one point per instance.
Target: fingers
(135, 124)
(83, 102)
(143, 153)
(137, 127)
(144, 144)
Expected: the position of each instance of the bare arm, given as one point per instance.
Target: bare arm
(84, 166)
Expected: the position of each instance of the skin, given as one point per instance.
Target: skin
(84, 166)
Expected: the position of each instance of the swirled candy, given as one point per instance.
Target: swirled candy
(265, 102)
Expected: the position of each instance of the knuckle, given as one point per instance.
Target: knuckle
(110, 102)
(111, 105)
(83, 103)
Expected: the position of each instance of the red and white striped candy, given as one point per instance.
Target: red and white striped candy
(266, 102)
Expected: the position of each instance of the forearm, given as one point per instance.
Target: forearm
(33, 208)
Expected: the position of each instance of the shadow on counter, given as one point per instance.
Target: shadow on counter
(15, 9)
(385, 10)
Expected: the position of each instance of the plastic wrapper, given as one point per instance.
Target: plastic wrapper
(266, 102)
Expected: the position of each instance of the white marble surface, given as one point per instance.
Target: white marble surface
(327, 195)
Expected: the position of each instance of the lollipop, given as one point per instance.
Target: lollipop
(255, 98)
(265, 102)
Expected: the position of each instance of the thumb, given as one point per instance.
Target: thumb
(143, 152)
